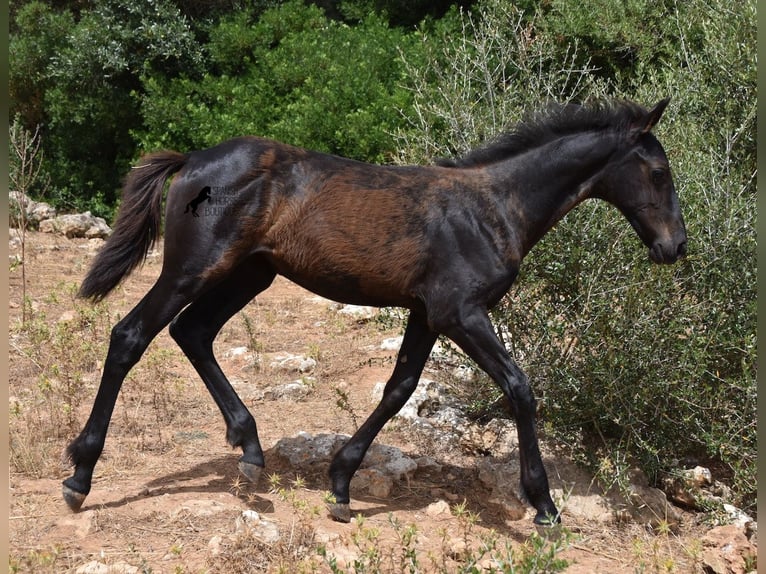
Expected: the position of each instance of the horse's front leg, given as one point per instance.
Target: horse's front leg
(416, 347)
(474, 333)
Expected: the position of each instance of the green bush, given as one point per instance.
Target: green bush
(294, 75)
(84, 72)
(632, 363)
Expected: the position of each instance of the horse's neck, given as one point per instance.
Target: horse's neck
(545, 183)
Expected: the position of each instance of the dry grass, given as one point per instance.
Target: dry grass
(166, 461)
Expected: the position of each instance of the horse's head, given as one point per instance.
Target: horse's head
(640, 184)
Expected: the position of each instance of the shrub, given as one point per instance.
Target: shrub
(293, 75)
(82, 73)
(631, 362)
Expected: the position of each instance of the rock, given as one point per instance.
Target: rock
(699, 476)
(82, 523)
(358, 312)
(305, 450)
(246, 390)
(650, 507)
(497, 437)
(737, 517)
(236, 352)
(35, 212)
(443, 439)
(464, 373)
(391, 344)
(390, 460)
(292, 363)
(726, 550)
(452, 419)
(261, 529)
(77, 225)
(373, 481)
(507, 505)
(687, 489)
(586, 507)
(502, 479)
(289, 391)
(438, 508)
(429, 397)
(499, 476)
(428, 464)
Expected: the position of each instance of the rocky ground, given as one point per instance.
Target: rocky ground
(437, 491)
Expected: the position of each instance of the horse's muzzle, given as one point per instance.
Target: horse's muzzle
(668, 252)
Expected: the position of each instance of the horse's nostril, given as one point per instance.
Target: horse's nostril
(682, 249)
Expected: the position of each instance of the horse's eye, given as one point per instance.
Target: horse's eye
(658, 176)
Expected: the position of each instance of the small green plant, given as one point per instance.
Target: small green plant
(64, 356)
(38, 560)
(255, 346)
(344, 405)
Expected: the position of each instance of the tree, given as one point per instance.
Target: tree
(85, 78)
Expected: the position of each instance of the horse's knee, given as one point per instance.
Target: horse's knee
(519, 392)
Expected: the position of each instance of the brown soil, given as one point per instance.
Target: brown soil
(167, 493)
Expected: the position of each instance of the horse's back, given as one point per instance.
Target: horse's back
(348, 230)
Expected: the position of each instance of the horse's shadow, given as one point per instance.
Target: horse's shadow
(221, 475)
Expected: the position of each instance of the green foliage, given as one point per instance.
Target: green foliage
(485, 69)
(39, 34)
(294, 75)
(83, 73)
(630, 361)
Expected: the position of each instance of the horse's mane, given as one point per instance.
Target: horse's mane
(551, 123)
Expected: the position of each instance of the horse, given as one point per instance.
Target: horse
(444, 241)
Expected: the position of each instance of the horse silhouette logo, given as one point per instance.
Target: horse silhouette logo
(203, 195)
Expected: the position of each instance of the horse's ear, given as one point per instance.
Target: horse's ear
(645, 124)
(654, 115)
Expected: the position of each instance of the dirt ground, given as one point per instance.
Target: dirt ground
(167, 494)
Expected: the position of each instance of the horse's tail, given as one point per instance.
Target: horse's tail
(137, 226)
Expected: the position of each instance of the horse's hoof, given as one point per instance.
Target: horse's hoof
(340, 511)
(548, 526)
(251, 471)
(73, 498)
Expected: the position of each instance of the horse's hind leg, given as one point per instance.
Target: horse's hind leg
(416, 346)
(195, 329)
(129, 339)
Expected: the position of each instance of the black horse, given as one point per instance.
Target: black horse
(445, 242)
